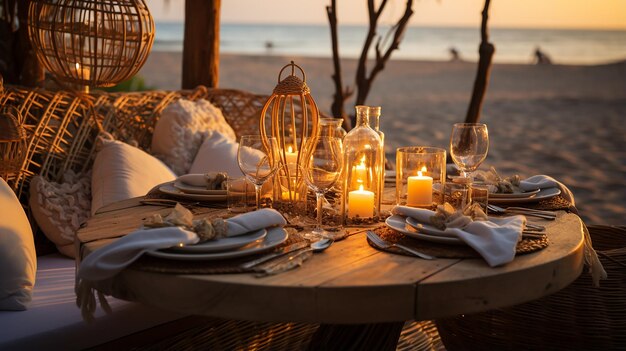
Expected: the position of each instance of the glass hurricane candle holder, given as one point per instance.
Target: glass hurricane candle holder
(420, 176)
(362, 172)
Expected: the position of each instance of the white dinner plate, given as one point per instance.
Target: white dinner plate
(275, 236)
(222, 244)
(519, 195)
(398, 223)
(189, 189)
(169, 189)
(427, 228)
(541, 195)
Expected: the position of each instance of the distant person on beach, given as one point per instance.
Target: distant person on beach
(269, 45)
(454, 55)
(541, 58)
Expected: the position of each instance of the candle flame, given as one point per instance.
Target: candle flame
(77, 65)
(361, 187)
(290, 149)
(363, 161)
(421, 171)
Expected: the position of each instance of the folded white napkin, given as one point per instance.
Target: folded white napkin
(495, 240)
(109, 260)
(543, 181)
(194, 179)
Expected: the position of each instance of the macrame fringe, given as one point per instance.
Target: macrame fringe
(86, 299)
(596, 269)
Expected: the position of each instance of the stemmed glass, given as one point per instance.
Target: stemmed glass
(258, 160)
(469, 143)
(321, 169)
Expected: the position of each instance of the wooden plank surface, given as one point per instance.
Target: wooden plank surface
(348, 283)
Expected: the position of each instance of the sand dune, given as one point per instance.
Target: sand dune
(565, 121)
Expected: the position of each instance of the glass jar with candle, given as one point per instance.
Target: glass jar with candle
(375, 119)
(420, 176)
(362, 171)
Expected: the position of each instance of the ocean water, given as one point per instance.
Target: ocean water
(563, 46)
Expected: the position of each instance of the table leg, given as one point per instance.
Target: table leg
(380, 336)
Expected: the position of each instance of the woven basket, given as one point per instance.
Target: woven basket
(579, 317)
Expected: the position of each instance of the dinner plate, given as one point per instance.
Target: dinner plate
(189, 189)
(222, 244)
(427, 228)
(398, 223)
(169, 189)
(275, 236)
(513, 195)
(541, 195)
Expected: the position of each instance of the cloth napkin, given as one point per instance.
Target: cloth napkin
(495, 240)
(109, 260)
(543, 181)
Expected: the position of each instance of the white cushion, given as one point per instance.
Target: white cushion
(53, 322)
(217, 154)
(60, 208)
(181, 129)
(121, 172)
(18, 260)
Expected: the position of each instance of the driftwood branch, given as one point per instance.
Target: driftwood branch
(341, 94)
(363, 81)
(486, 51)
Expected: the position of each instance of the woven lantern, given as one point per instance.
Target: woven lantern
(293, 116)
(13, 145)
(90, 42)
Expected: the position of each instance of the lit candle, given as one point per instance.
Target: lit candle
(82, 72)
(290, 195)
(361, 203)
(291, 156)
(420, 189)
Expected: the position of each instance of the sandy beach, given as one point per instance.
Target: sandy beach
(564, 121)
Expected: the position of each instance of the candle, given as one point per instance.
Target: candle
(361, 203)
(420, 189)
(290, 195)
(82, 72)
(291, 156)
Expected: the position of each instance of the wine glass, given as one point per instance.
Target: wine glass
(469, 143)
(258, 160)
(321, 169)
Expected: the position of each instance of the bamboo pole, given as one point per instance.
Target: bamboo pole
(201, 45)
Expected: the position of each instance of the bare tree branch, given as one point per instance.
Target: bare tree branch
(340, 95)
(364, 83)
(486, 51)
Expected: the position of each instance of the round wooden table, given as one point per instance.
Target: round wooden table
(350, 283)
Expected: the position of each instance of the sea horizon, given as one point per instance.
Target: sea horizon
(421, 43)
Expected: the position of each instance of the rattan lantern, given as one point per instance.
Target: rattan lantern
(293, 116)
(13, 146)
(89, 42)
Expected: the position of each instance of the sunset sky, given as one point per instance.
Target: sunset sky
(599, 14)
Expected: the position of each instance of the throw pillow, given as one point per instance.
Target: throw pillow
(60, 208)
(217, 154)
(181, 129)
(18, 260)
(121, 172)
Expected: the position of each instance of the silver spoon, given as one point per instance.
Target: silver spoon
(321, 245)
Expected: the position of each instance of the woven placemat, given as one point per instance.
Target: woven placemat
(447, 251)
(160, 265)
(554, 203)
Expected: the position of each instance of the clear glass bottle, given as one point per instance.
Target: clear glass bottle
(375, 112)
(332, 127)
(362, 168)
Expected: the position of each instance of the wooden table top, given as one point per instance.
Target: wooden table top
(348, 283)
